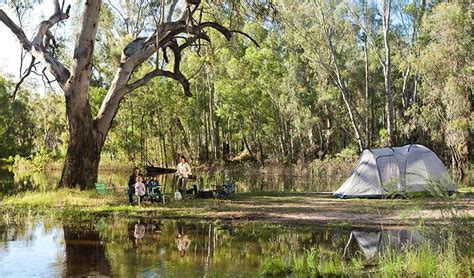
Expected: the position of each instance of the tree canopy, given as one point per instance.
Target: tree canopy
(315, 87)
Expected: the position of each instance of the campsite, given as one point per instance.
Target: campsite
(236, 138)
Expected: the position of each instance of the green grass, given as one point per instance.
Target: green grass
(311, 263)
(466, 189)
(275, 265)
(73, 202)
(57, 199)
(425, 261)
(264, 206)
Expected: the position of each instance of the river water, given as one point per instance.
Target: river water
(144, 247)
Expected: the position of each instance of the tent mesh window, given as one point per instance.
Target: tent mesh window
(389, 172)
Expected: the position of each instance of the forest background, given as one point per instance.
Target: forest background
(330, 78)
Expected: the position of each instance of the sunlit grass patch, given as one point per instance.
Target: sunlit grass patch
(60, 198)
(469, 189)
(264, 206)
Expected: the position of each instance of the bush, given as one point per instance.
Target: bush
(37, 162)
(330, 173)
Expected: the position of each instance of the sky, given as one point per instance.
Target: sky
(10, 49)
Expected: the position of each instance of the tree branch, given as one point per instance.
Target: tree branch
(176, 74)
(138, 51)
(25, 75)
(368, 35)
(84, 49)
(158, 72)
(247, 36)
(17, 31)
(36, 47)
(58, 16)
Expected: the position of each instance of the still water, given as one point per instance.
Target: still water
(247, 180)
(147, 247)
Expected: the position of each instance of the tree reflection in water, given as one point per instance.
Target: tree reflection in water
(85, 253)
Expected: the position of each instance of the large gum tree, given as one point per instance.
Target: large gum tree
(88, 132)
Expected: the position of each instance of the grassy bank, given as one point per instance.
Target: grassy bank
(262, 206)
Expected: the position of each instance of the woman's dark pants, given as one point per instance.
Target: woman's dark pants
(131, 192)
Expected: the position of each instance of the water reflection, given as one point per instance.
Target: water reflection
(145, 247)
(182, 241)
(84, 253)
(373, 243)
(31, 250)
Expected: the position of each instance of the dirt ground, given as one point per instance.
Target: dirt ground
(320, 208)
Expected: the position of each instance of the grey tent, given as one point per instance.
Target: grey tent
(399, 169)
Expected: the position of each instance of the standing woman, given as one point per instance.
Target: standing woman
(183, 172)
(131, 184)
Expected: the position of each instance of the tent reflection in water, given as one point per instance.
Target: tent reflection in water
(411, 168)
(373, 243)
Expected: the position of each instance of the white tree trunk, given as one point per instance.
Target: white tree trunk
(386, 5)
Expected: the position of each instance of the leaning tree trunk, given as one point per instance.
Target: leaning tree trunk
(338, 78)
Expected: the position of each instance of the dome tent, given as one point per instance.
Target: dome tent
(399, 169)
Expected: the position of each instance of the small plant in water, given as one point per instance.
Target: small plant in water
(306, 263)
(274, 265)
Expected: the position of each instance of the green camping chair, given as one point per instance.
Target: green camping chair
(101, 188)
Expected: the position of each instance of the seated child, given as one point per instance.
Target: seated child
(153, 182)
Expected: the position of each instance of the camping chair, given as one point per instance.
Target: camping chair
(155, 194)
(101, 188)
(227, 189)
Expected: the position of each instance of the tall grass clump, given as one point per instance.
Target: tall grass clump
(274, 265)
(311, 263)
(426, 260)
(448, 256)
(306, 263)
(331, 263)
